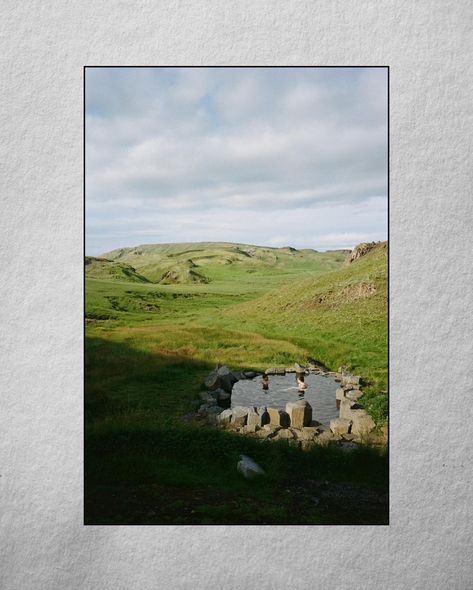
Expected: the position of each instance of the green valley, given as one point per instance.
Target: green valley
(160, 317)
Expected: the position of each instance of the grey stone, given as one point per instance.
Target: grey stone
(348, 437)
(284, 434)
(326, 437)
(306, 433)
(225, 417)
(340, 394)
(300, 413)
(211, 382)
(275, 371)
(239, 416)
(253, 419)
(351, 379)
(249, 468)
(258, 416)
(362, 422)
(346, 406)
(354, 395)
(270, 429)
(340, 425)
(278, 417)
(220, 378)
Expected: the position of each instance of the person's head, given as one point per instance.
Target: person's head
(265, 377)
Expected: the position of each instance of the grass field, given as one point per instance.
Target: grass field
(149, 346)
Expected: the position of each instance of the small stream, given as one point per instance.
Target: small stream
(320, 394)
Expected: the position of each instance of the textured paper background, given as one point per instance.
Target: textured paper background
(44, 45)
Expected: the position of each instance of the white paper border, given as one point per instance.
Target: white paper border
(44, 48)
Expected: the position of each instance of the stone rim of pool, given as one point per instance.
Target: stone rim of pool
(320, 394)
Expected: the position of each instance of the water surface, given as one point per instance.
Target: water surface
(320, 394)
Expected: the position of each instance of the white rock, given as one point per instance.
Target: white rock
(249, 468)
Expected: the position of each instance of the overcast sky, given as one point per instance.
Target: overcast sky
(267, 156)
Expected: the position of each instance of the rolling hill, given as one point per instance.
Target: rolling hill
(103, 268)
(205, 262)
(339, 317)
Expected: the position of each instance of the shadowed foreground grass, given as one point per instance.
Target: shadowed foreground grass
(145, 465)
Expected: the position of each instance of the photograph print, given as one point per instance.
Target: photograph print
(236, 295)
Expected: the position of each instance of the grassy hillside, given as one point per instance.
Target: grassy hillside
(102, 268)
(219, 262)
(149, 346)
(340, 318)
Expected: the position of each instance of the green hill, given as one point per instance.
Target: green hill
(102, 268)
(340, 318)
(205, 262)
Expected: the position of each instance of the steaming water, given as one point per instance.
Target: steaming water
(320, 394)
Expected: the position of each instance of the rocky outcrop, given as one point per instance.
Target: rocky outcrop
(361, 250)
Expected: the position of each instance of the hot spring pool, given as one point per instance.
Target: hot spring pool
(320, 394)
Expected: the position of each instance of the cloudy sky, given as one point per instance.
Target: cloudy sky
(267, 156)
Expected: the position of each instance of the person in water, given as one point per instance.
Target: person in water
(265, 382)
(301, 384)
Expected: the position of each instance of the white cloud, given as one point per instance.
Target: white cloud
(175, 145)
